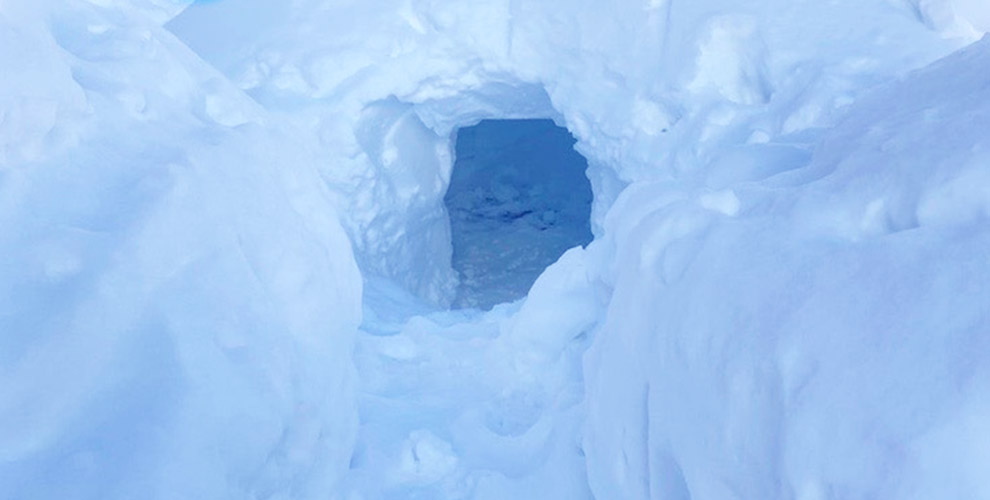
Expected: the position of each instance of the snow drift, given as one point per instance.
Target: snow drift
(177, 298)
(841, 350)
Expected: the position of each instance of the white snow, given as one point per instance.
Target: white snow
(165, 276)
(225, 259)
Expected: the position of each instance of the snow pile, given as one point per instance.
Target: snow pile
(825, 334)
(177, 298)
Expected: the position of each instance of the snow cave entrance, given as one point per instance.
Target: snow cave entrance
(518, 199)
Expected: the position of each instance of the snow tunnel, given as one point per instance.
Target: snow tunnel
(518, 198)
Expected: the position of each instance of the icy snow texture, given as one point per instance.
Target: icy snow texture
(786, 298)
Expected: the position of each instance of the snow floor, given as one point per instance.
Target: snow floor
(518, 198)
(445, 413)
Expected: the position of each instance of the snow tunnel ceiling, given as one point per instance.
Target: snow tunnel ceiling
(518, 198)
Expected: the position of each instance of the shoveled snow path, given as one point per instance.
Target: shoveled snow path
(446, 411)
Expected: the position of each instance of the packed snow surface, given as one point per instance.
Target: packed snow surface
(225, 258)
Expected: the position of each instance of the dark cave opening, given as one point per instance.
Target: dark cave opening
(518, 199)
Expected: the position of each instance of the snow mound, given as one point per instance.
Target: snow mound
(840, 347)
(177, 298)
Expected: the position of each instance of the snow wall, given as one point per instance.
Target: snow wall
(177, 296)
(785, 298)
